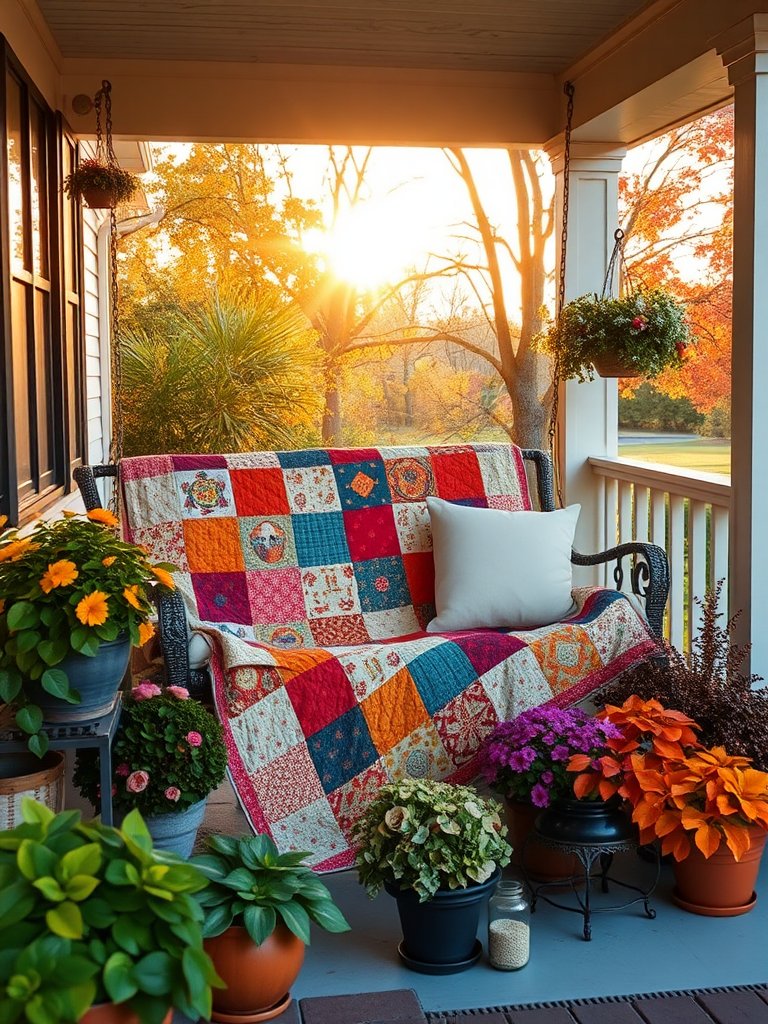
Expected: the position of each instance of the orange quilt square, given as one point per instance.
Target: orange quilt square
(393, 711)
(259, 492)
(213, 545)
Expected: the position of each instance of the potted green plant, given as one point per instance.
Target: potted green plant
(258, 907)
(525, 761)
(103, 186)
(438, 849)
(168, 754)
(91, 916)
(75, 597)
(636, 335)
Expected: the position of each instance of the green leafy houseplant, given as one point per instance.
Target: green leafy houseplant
(646, 330)
(93, 174)
(252, 885)
(426, 835)
(90, 914)
(67, 587)
(168, 753)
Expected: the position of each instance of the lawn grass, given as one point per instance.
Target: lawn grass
(704, 455)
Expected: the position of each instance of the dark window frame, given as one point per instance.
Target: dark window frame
(64, 422)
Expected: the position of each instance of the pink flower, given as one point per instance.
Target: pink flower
(123, 770)
(639, 323)
(145, 690)
(172, 793)
(179, 692)
(194, 739)
(137, 782)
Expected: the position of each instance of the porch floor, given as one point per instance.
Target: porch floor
(628, 954)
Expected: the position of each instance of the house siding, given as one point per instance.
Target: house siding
(94, 358)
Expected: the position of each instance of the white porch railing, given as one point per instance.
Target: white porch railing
(685, 512)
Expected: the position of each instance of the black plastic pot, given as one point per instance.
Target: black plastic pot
(441, 933)
(585, 821)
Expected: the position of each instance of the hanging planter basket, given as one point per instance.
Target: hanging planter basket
(99, 198)
(614, 366)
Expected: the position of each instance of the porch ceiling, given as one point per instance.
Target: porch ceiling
(539, 36)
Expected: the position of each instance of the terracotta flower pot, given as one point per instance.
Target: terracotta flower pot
(258, 978)
(540, 863)
(719, 886)
(99, 198)
(115, 1013)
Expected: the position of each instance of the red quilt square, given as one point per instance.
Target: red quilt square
(420, 573)
(341, 455)
(371, 533)
(259, 492)
(457, 475)
(320, 695)
(339, 631)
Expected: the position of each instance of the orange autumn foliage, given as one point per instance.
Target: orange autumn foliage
(676, 787)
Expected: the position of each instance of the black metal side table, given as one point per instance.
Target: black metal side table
(581, 885)
(96, 733)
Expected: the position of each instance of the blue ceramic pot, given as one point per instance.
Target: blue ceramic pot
(96, 679)
(176, 832)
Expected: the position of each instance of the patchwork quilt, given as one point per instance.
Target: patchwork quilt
(312, 573)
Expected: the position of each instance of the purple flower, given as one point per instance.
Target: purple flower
(548, 777)
(560, 752)
(540, 796)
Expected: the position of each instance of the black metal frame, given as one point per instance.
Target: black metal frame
(648, 571)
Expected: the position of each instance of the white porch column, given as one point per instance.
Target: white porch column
(587, 421)
(744, 50)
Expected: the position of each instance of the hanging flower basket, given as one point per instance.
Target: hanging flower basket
(102, 186)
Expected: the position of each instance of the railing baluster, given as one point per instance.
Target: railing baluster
(625, 511)
(676, 554)
(641, 512)
(719, 559)
(697, 563)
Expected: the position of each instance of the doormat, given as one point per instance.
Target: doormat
(748, 1003)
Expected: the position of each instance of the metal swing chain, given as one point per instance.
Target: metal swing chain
(569, 90)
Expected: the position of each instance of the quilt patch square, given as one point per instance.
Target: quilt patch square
(391, 622)
(246, 686)
(276, 596)
(362, 484)
(339, 456)
(156, 496)
(312, 828)
(339, 631)
(267, 542)
(330, 590)
(410, 478)
(350, 800)
(508, 502)
(371, 533)
(421, 755)
(457, 475)
(414, 527)
(369, 669)
(420, 573)
(515, 685)
(504, 478)
(320, 695)
(393, 711)
(259, 492)
(382, 584)
(342, 749)
(253, 460)
(304, 458)
(288, 636)
(566, 656)
(289, 783)
(185, 463)
(205, 493)
(266, 731)
(486, 649)
(464, 723)
(441, 673)
(320, 539)
(213, 545)
(165, 543)
(311, 489)
(144, 467)
(222, 597)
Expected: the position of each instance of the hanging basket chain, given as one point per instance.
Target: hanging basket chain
(556, 374)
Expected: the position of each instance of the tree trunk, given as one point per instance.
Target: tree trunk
(331, 433)
(527, 391)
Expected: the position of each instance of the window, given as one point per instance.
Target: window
(42, 412)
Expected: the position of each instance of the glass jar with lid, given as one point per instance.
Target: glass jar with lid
(509, 926)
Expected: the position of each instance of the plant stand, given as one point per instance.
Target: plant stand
(97, 733)
(581, 885)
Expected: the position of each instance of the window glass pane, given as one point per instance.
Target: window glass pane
(15, 172)
(20, 365)
(39, 192)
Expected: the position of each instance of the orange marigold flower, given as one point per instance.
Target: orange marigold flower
(16, 549)
(146, 632)
(3, 521)
(109, 560)
(163, 576)
(131, 595)
(102, 515)
(93, 610)
(58, 574)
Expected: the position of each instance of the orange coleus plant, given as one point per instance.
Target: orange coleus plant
(707, 795)
(645, 725)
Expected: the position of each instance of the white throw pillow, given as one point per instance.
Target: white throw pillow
(499, 568)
